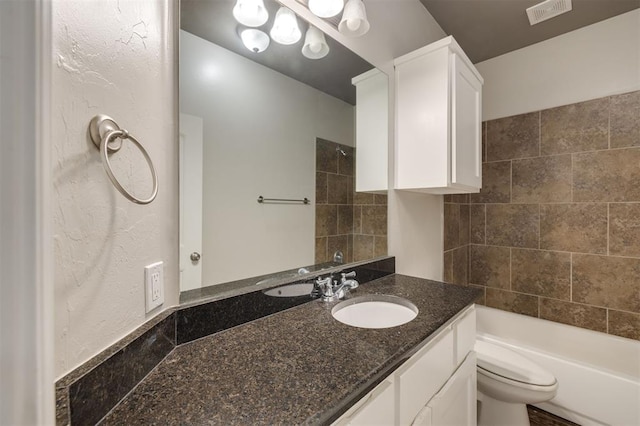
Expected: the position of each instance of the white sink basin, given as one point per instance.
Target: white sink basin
(291, 290)
(375, 311)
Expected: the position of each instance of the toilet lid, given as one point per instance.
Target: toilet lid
(511, 365)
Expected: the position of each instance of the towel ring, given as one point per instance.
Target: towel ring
(107, 136)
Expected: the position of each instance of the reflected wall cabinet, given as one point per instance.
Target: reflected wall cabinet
(372, 135)
(438, 120)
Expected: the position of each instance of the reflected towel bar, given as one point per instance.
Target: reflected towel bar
(263, 200)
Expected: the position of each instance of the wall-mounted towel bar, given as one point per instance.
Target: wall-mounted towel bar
(107, 137)
(263, 200)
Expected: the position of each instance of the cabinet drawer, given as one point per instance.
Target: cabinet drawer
(377, 408)
(427, 371)
(465, 333)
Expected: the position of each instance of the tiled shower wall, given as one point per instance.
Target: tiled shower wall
(354, 223)
(555, 231)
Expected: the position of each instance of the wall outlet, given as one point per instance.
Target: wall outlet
(154, 285)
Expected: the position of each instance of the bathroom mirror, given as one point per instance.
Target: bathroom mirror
(275, 125)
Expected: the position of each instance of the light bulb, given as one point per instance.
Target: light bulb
(326, 8)
(354, 19)
(251, 13)
(285, 27)
(315, 46)
(255, 40)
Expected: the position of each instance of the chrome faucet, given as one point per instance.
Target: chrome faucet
(330, 291)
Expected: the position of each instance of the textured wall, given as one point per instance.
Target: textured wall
(116, 58)
(555, 231)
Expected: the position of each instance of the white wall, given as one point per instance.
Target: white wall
(592, 62)
(260, 130)
(116, 58)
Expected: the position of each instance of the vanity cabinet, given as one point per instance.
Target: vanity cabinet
(436, 386)
(372, 134)
(438, 120)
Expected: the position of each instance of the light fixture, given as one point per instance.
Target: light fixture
(354, 19)
(315, 46)
(251, 13)
(285, 27)
(326, 8)
(255, 40)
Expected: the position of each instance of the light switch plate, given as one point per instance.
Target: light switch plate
(154, 285)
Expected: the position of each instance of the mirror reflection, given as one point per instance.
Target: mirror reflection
(273, 124)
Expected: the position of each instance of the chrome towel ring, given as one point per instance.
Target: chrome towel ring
(107, 136)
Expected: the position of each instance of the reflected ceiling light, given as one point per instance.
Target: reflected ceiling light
(251, 13)
(354, 19)
(285, 27)
(326, 8)
(255, 40)
(315, 45)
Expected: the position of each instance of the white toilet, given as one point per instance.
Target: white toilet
(507, 381)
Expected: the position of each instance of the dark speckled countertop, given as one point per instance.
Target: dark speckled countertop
(299, 366)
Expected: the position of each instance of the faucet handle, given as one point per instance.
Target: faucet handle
(348, 275)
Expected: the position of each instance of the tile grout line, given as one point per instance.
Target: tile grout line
(608, 229)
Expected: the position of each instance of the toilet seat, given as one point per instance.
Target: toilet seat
(507, 366)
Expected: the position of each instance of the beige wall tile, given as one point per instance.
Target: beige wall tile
(357, 219)
(326, 220)
(476, 223)
(489, 266)
(624, 324)
(380, 199)
(363, 247)
(321, 250)
(363, 198)
(346, 165)
(447, 271)
(482, 299)
(379, 246)
(542, 180)
(574, 227)
(625, 120)
(575, 128)
(374, 220)
(612, 282)
(338, 189)
(337, 242)
(575, 314)
(513, 137)
(460, 198)
(321, 188)
(543, 273)
(496, 183)
(460, 265)
(624, 229)
(345, 219)
(464, 224)
(451, 226)
(326, 156)
(607, 175)
(513, 302)
(513, 225)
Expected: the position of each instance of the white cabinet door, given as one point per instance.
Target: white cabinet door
(438, 120)
(466, 116)
(455, 404)
(377, 408)
(372, 134)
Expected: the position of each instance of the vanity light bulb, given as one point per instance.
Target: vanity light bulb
(326, 8)
(285, 27)
(255, 40)
(315, 45)
(251, 13)
(354, 19)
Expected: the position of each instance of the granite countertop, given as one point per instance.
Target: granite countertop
(299, 366)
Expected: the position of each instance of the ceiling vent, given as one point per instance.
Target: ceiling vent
(547, 9)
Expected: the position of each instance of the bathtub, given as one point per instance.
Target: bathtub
(598, 374)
